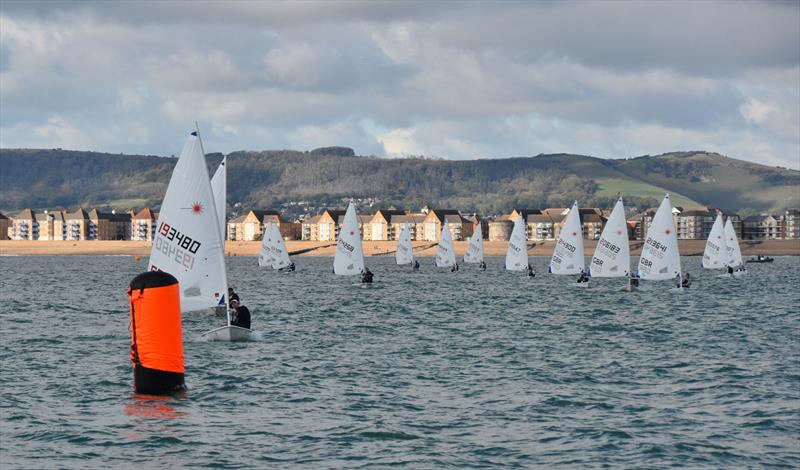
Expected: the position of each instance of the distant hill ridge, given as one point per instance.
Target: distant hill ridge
(59, 178)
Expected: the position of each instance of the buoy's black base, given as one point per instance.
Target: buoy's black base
(157, 382)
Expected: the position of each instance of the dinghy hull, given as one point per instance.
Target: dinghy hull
(229, 333)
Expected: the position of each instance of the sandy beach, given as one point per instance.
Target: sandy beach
(377, 248)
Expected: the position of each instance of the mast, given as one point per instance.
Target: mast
(221, 242)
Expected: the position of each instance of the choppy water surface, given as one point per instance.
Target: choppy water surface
(432, 370)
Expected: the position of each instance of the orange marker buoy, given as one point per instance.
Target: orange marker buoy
(156, 335)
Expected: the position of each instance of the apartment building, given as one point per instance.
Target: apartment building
(414, 221)
(251, 225)
(791, 224)
(380, 227)
(24, 226)
(5, 225)
(762, 227)
(109, 225)
(143, 225)
(460, 228)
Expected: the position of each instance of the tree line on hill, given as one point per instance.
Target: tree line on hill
(322, 177)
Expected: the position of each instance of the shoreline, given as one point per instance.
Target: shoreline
(371, 248)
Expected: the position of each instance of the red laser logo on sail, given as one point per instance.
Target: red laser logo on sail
(197, 208)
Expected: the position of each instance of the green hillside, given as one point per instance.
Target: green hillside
(718, 181)
(323, 177)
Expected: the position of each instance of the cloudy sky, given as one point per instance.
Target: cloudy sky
(450, 80)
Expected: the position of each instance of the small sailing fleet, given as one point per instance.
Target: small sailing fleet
(722, 249)
(189, 245)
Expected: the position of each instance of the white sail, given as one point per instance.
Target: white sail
(219, 187)
(734, 253)
(716, 255)
(445, 254)
(568, 255)
(474, 252)
(660, 258)
(277, 247)
(517, 253)
(265, 256)
(349, 257)
(612, 257)
(404, 255)
(187, 242)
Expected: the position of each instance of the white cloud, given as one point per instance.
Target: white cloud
(454, 81)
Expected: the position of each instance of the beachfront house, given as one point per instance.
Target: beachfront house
(791, 224)
(694, 224)
(251, 225)
(24, 226)
(109, 225)
(78, 227)
(5, 225)
(762, 227)
(414, 221)
(460, 228)
(143, 225)
(379, 226)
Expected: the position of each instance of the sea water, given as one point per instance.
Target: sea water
(422, 370)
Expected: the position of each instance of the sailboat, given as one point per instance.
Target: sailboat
(187, 242)
(715, 256)
(273, 249)
(404, 254)
(517, 253)
(349, 258)
(445, 254)
(734, 253)
(474, 253)
(660, 259)
(568, 254)
(612, 256)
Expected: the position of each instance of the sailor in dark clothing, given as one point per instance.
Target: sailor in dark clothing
(531, 272)
(482, 266)
(730, 270)
(232, 296)
(685, 281)
(291, 266)
(633, 280)
(240, 315)
(583, 277)
(416, 265)
(366, 276)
